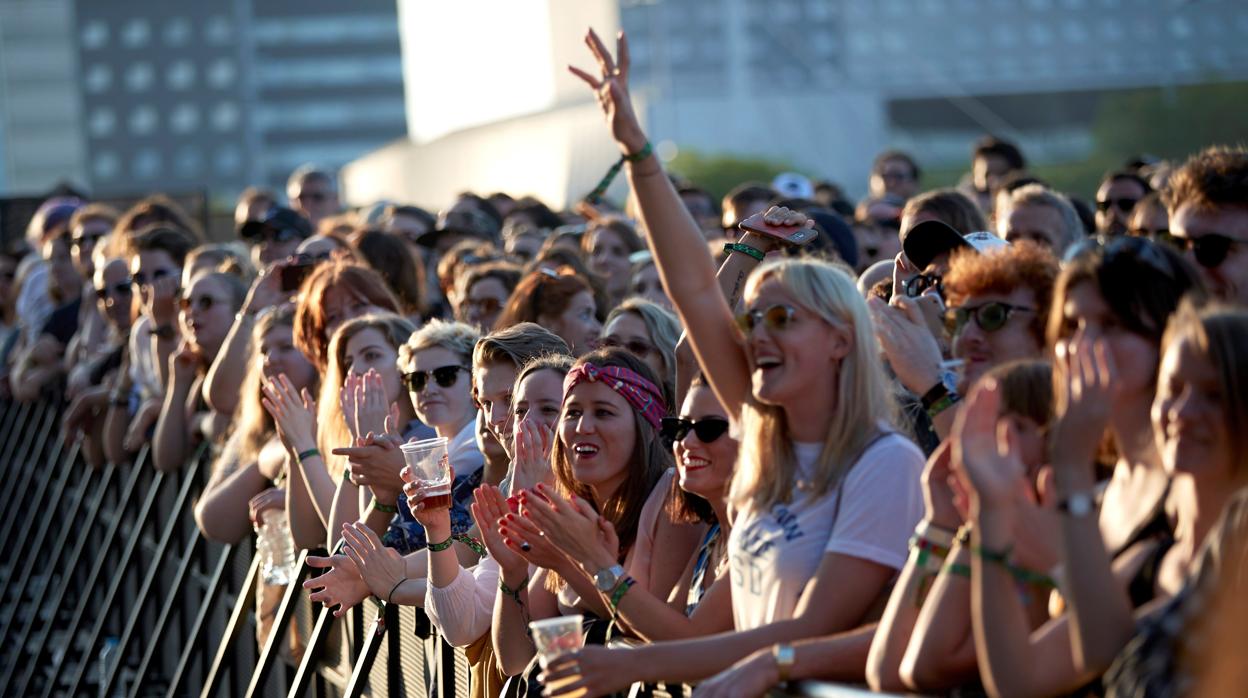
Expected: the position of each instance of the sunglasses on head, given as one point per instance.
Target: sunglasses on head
(117, 289)
(636, 347)
(141, 279)
(204, 303)
(1124, 204)
(445, 376)
(1209, 250)
(918, 284)
(990, 317)
(776, 318)
(708, 430)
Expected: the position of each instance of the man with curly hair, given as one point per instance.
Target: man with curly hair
(1207, 199)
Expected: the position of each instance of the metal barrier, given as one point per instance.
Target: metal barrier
(107, 588)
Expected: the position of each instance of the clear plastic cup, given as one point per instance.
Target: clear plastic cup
(432, 468)
(557, 636)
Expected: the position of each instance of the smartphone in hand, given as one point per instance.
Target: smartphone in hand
(790, 234)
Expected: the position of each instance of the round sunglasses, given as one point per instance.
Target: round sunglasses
(990, 317)
(444, 376)
(776, 318)
(707, 430)
(1210, 250)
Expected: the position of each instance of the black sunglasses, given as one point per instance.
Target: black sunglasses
(141, 279)
(1124, 204)
(990, 316)
(707, 430)
(1209, 250)
(636, 347)
(916, 285)
(445, 376)
(776, 318)
(204, 303)
(117, 289)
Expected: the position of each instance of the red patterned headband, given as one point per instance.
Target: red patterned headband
(643, 395)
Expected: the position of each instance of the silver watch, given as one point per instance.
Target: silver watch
(1078, 504)
(605, 580)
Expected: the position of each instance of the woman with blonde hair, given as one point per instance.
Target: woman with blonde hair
(649, 332)
(826, 493)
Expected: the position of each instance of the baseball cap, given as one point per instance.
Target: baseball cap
(463, 220)
(277, 220)
(930, 239)
(791, 185)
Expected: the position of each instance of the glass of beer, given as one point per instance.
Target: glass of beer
(430, 466)
(555, 637)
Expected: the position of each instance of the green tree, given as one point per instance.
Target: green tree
(719, 173)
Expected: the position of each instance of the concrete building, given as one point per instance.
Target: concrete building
(822, 84)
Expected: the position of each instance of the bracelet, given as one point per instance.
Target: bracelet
(472, 543)
(439, 547)
(513, 593)
(936, 534)
(620, 590)
(958, 569)
(304, 455)
(927, 550)
(745, 250)
(963, 536)
(595, 195)
(378, 506)
(997, 557)
(945, 402)
(395, 588)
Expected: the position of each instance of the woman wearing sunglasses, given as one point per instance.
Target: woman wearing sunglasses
(649, 332)
(827, 493)
(206, 313)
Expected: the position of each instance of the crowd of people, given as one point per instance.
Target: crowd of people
(984, 438)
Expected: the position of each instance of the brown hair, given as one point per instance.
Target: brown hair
(949, 206)
(175, 242)
(1024, 264)
(310, 322)
(507, 274)
(622, 229)
(647, 464)
(543, 293)
(158, 208)
(462, 253)
(252, 425)
(94, 212)
(1026, 389)
(684, 506)
(1214, 178)
(518, 344)
(390, 257)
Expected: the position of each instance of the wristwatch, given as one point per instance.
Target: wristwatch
(785, 657)
(605, 580)
(948, 385)
(1078, 504)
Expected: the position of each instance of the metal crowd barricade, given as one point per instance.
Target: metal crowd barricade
(108, 562)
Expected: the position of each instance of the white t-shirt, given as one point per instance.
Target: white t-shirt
(773, 555)
(143, 371)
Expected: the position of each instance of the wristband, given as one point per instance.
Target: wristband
(948, 400)
(937, 535)
(304, 455)
(620, 590)
(958, 569)
(640, 155)
(745, 250)
(378, 506)
(439, 547)
(513, 593)
(472, 543)
(395, 588)
(997, 557)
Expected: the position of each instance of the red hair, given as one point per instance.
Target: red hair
(363, 283)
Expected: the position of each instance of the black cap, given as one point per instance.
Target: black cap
(277, 220)
(462, 220)
(928, 240)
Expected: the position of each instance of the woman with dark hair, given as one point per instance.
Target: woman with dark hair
(484, 291)
(390, 257)
(331, 295)
(561, 301)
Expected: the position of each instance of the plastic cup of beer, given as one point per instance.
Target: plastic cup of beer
(555, 637)
(432, 468)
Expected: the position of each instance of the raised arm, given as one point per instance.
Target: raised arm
(685, 266)
(230, 365)
(169, 444)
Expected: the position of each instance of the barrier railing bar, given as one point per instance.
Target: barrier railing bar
(311, 653)
(387, 616)
(189, 480)
(141, 676)
(128, 491)
(26, 464)
(285, 611)
(196, 633)
(243, 604)
(14, 417)
(35, 561)
(79, 671)
(38, 645)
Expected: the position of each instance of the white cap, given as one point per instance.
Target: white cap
(982, 241)
(793, 185)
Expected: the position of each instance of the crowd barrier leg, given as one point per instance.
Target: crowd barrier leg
(192, 548)
(18, 582)
(197, 633)
(233, 628)
(387, 618)
(35, 647)
(189, 477)
(311, 653)
(15, 416)
(285, 611)
(25, 463)
(78, 674)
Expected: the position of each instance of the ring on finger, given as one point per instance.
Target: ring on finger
(525, 547)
